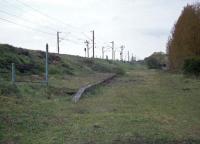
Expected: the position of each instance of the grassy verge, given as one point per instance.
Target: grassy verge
(143, 106)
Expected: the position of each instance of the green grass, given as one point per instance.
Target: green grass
(143, 106)
(33, 62)
(139, 106)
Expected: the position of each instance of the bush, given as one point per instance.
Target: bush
(153, 63)
(192, 66)
(156, 61)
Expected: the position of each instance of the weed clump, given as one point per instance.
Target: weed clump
(119, 71)
(7, 89)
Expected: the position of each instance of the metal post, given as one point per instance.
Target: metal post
(93, 42)
(121, 54)
(58, 42)
(114, 54)
(85, 51)
(46, 65)
(112, 49)
(102, 52)
(13, 74)
(87, 44)
(128, 57)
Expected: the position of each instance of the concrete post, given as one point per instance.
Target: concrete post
(46, 65)
(13, 74)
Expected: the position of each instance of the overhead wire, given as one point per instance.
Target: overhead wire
(50, 18)
(23, 19)
(27, 27)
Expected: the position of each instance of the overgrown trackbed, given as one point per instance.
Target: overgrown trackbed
(144, 106)
(90, 87)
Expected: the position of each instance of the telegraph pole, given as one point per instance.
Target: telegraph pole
(58, 42)
(85, 52)
(102, 52)
(128, 57)
(114, 54)
(121, 53)
(88, 50)
(132, 57)
(93, 42)
(113, 45)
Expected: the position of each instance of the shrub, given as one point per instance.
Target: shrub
(119, 71)
(156, 61)
(192, 66)
(153, 63)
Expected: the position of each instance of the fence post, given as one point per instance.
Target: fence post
(13, 74)
(46, 65)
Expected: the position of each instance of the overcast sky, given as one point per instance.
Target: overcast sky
(143, 26)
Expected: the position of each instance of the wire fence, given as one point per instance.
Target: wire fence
(11, 73)
(5, 76)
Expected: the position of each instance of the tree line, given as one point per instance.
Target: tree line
(184, 42)
(183, 46)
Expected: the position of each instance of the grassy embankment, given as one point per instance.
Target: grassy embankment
(143, 106)
(66, 73)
